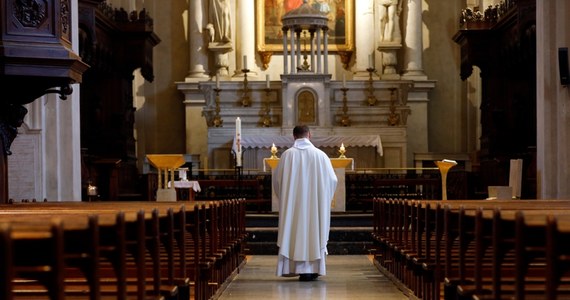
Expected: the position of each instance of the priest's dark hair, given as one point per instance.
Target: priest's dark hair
(301, 131)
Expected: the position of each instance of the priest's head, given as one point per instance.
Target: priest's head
(301, 131)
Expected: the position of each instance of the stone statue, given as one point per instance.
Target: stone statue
(220, 17)
(389, 13)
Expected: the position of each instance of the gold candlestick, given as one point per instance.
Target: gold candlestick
(245, 100)
(266, 121)
(217, 119)
(344, 119)
(444, 167)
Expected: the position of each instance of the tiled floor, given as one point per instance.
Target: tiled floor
(348, 277)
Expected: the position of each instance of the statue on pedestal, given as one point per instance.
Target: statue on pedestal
(389, 14)
(219, 31)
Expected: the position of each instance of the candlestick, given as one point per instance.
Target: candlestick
(267, 83)
(238, 142)
(245, 61)
(370, 62)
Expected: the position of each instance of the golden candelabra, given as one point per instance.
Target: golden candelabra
(344, 119)
(371, 98)
(217, 119)
(266, 121)
(444, 167)
(245, 100)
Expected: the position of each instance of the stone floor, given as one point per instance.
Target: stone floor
(348, 277)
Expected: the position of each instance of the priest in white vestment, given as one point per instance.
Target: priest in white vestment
(304, 181)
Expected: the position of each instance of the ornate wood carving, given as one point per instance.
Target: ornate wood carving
(502, 43)
(35, 59)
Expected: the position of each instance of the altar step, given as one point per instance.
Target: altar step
(349, 234)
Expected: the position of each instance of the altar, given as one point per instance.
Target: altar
(339, 165)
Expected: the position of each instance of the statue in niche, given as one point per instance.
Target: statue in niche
(306, 108)
(389, 14)
(220, 18)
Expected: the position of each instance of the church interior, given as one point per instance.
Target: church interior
(172, 113)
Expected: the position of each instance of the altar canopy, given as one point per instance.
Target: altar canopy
(281, 141)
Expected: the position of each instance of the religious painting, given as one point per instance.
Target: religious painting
(269, 32)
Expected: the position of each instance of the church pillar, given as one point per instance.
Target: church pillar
(285, 52)
(364, 37)
(413, 65)
(326, 50)
(245, 41)
(198, 55)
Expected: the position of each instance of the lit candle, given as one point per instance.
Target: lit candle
(370, 62)
(342, 147)
(267, 81)
(273, 148)
(245, 61)
(238, 142)
(217, 81)
(343, 81)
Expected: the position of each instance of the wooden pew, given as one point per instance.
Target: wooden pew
(452, 237)
(164, 250)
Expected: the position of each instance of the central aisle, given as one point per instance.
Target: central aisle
(348, 277)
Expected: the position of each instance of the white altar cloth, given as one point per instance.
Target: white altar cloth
(194, 185)
(266, 141)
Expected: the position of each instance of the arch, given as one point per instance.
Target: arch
(306, 103)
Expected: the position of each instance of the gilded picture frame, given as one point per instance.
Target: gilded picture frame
(268, 15)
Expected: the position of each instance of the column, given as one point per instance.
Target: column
(245, 40)
(326, 46)
(312, 37)
(364, 39)
(318, 51)
(292, 54)
(285, 54)
(413, 42)
(298, 54)
(198, 55)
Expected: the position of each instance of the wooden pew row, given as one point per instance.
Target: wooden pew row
(413, 241)
(111, 274)
(103, 209)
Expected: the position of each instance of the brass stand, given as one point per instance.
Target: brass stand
(217, 119)
(371, 99)
(245, 100)
(345, 119)
(266, 121)
(444, 167)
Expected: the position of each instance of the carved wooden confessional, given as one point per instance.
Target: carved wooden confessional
(114, 43)
(502, 43)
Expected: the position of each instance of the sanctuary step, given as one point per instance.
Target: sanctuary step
(349, 234)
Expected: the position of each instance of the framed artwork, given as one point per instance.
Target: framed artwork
(269, 32)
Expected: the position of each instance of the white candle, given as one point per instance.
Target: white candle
(273, 148)
(342, 147)
(267, 81)
(245, 61)
(370, 62)
(343, 80)
(217, 81)
(238, 142)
